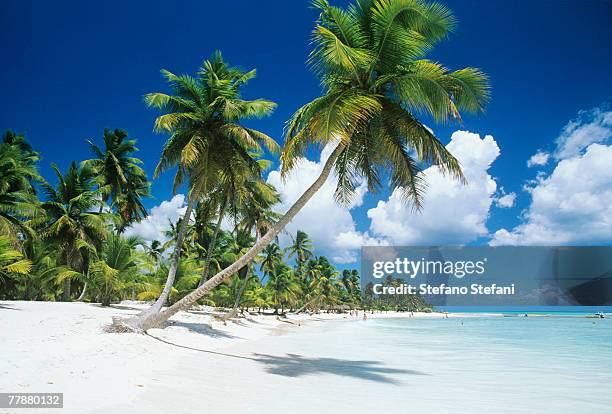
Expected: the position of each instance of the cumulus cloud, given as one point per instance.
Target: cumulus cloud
(452, 213)
(505, 200)
(159, 219)
(330, 226)
(592, 126)
(574, 203)
(538, 159)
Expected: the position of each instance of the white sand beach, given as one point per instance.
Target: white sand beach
(61, 347)
(328, 364)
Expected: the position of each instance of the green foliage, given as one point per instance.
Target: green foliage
(13, 266)
(202, 115)
(387, 302)
(121, 180)
(370, 58)
(18, 174)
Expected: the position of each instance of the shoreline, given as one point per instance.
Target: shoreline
(61, 347)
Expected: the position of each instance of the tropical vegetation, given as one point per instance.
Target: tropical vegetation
(70, 241)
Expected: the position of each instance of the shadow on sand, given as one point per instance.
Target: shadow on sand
(117, 306)
(293, 365)
(8, 307)
(201, 328)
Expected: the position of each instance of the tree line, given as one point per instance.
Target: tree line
(370, 58)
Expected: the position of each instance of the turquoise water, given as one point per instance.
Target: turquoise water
(465, 365)
(435, 365)
(482, 364)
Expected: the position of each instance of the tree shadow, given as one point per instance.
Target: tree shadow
(8, 307)
(200, 328)
(293, 365)
(117, 306)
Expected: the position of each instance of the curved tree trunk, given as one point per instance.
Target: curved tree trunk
(82, 295)
(234, 310)
(154, 320)
(211, 245)
(176, 256)
(306, 305)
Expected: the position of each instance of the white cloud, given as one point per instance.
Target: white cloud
(505, 200)
(592, 126)
(452, 213)
(572, 205)
(538, 159)
(158, 220)
(330, 226)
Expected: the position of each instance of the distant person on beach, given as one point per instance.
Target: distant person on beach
(365, 316)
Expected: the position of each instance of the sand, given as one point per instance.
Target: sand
(61, 347)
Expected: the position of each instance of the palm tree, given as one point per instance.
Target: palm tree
(236, 185)
(370, 60)
(285, 289)
(122, 182)
(301, 249)
(272, 257)
(72, 226)
(12, 265)
(202, 116)
(155, 250)
(115, 266)
(254, 205)
(18, 173)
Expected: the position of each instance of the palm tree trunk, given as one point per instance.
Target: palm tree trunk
(82, 295)
(176, 256)
(211, 245)
(306, 305)
(66, 293)
(234, 310)
(152, 320)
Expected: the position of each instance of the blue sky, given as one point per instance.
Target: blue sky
(70, 69)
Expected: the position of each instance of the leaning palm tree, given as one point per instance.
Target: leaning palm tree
(244, 197)
(370, 58)
(202, 116)
(71, 224)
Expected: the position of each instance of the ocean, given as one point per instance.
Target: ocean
(468, 364)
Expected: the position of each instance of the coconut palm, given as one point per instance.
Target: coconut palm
(301, 249)
(285, 289)
(114, 268)
(257, 217)
(72, 226)
(18, 173)
(370, 58)
(272, 257)
(121, 180)
(12, 265)
(236, 183)
(155, 250)
(202, 116)
(246, 197)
